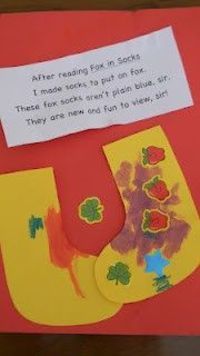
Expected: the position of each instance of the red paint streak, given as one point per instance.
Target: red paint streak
(62, 253)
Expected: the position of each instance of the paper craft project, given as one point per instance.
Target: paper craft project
(64, 266)
(159, 243)
(51, 283)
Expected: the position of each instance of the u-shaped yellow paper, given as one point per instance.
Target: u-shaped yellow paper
(41, 291)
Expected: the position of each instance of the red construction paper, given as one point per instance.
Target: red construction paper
(80, 167)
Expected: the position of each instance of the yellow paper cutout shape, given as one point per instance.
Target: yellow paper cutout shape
(159, 243)
(49, 281)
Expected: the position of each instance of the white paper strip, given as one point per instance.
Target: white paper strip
(117, 84)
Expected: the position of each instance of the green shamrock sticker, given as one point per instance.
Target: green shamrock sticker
(91, 210)
(119, 273)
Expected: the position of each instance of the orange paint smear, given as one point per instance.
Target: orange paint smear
(62, 253)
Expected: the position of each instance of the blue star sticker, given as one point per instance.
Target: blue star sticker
(155, 262)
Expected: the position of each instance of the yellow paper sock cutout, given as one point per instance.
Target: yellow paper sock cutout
(159, 244)
(49, 281)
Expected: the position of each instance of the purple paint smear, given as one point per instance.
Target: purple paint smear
(132, 236)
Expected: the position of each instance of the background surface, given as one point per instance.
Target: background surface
(35, 5)
(78, 345)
